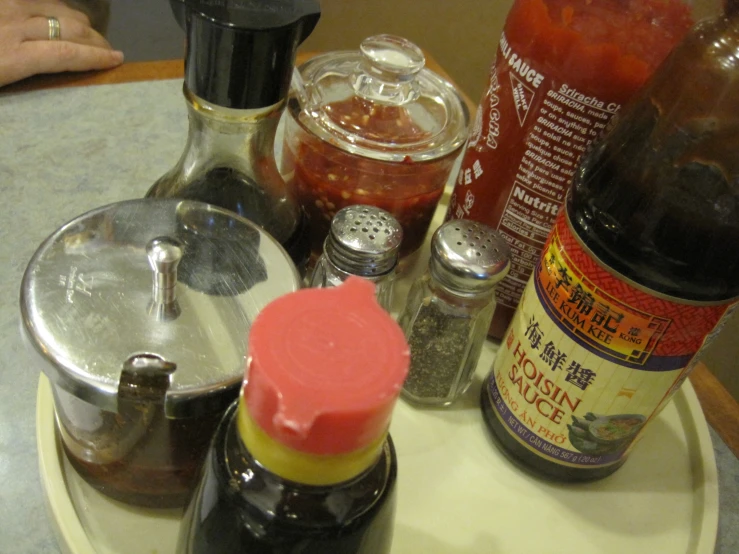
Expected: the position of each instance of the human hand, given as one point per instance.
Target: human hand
(27, 47)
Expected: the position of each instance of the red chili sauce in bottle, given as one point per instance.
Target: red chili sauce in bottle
(563, 70)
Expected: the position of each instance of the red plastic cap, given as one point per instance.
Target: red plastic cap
(325, 368)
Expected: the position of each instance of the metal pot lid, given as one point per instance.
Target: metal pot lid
(179, 280)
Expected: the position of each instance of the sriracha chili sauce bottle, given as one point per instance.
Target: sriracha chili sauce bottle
(638, 275)
(563, 69)
(302, 463)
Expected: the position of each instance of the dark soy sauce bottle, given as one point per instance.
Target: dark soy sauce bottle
(235, 99)
(302, 462)
(639, 274)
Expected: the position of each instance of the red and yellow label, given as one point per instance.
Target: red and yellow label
(590, 358)
(607, 325)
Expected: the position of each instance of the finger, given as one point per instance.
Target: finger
(71, 30)
(58, 56)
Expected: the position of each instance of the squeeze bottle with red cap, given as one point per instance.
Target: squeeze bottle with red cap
(303, 462)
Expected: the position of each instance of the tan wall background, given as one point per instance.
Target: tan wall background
(722, 357)
(462, 35)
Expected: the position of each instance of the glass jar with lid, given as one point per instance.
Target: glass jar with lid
(372, 127)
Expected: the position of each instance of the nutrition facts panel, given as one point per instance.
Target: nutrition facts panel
(565, 123)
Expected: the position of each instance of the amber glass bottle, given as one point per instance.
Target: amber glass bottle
(638, 275)
(303, 463)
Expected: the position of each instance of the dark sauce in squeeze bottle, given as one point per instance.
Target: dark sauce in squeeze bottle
(238, 65)
(302, 462)
(638, 275)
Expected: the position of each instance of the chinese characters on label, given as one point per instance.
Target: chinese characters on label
(557, 360)
(603, 323)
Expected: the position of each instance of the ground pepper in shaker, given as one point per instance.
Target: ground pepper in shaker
(363, 241)
(449, 310)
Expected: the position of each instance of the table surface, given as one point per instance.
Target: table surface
(24, 528)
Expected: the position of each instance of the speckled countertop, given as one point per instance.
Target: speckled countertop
(66, 151)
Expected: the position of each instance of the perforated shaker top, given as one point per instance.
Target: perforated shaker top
(468, 257)
(364, 240)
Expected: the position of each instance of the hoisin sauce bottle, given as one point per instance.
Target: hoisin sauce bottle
(638, 275)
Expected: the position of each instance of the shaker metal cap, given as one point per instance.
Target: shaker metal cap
(468, 257)
(364, 240)
(173, 279)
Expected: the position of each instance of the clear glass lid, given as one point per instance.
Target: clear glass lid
(380, 102)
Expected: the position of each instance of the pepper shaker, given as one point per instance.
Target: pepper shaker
(362, 241)
(449, 309)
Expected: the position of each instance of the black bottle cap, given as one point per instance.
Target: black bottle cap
(241, 53)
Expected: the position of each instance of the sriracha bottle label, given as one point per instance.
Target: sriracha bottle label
(562, 71)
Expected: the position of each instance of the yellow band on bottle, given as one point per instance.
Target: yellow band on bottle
(303, 467)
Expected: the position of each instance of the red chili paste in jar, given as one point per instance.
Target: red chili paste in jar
(327, 178)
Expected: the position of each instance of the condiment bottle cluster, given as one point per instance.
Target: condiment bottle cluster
(593, 228)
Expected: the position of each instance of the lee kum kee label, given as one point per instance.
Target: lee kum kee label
(589, 359)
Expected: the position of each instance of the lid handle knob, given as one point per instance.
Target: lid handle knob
(164, 254)
(390, 67)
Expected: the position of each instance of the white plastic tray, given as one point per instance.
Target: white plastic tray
(457, 493)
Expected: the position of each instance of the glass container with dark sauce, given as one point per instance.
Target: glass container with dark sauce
(235, 100)
(250, 509)
(142, 334)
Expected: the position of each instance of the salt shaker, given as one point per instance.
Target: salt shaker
(362, 241)
(449, 309)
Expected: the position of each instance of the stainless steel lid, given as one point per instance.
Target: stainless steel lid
(364, 240)
(468, 257)
(176, 279)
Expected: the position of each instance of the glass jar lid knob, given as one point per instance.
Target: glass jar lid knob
(389, 68)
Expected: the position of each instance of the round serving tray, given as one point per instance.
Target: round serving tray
(457, 492)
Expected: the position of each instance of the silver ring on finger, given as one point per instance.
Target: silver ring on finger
(55, 30)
